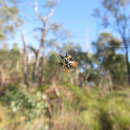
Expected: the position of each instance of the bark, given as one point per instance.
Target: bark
(128, 65)
(25, 60)
(38, 68)
(127, 59)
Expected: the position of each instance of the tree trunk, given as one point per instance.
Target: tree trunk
(38, 68)
(127, 63)
(25, 60)
(127, 58)
(41, 68)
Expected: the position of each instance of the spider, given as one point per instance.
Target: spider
(68, 62)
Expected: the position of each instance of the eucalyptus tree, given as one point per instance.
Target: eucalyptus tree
(114, 14)
(47, 29)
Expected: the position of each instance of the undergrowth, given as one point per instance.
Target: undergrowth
(80, 109)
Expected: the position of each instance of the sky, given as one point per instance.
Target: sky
(75, 15)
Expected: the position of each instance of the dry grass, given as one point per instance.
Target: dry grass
(66, 120)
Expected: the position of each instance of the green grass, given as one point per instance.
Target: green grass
(88, 106)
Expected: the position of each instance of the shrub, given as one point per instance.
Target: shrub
(20, 100)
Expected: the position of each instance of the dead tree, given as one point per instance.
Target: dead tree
(25, 59)
(39, 61)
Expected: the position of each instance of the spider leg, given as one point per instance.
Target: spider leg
(61, 64)
(66, 54)
(62, 57)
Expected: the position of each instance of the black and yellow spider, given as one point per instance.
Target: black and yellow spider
(68, 62)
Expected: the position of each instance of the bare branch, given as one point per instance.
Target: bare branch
(42, 18)
(36, 9)
(36, 29)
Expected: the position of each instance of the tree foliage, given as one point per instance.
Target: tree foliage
(107, 47)
(9, 19)
(115, 15)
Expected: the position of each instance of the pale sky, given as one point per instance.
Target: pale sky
(75, 15)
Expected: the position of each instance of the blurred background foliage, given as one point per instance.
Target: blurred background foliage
(36, 93)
